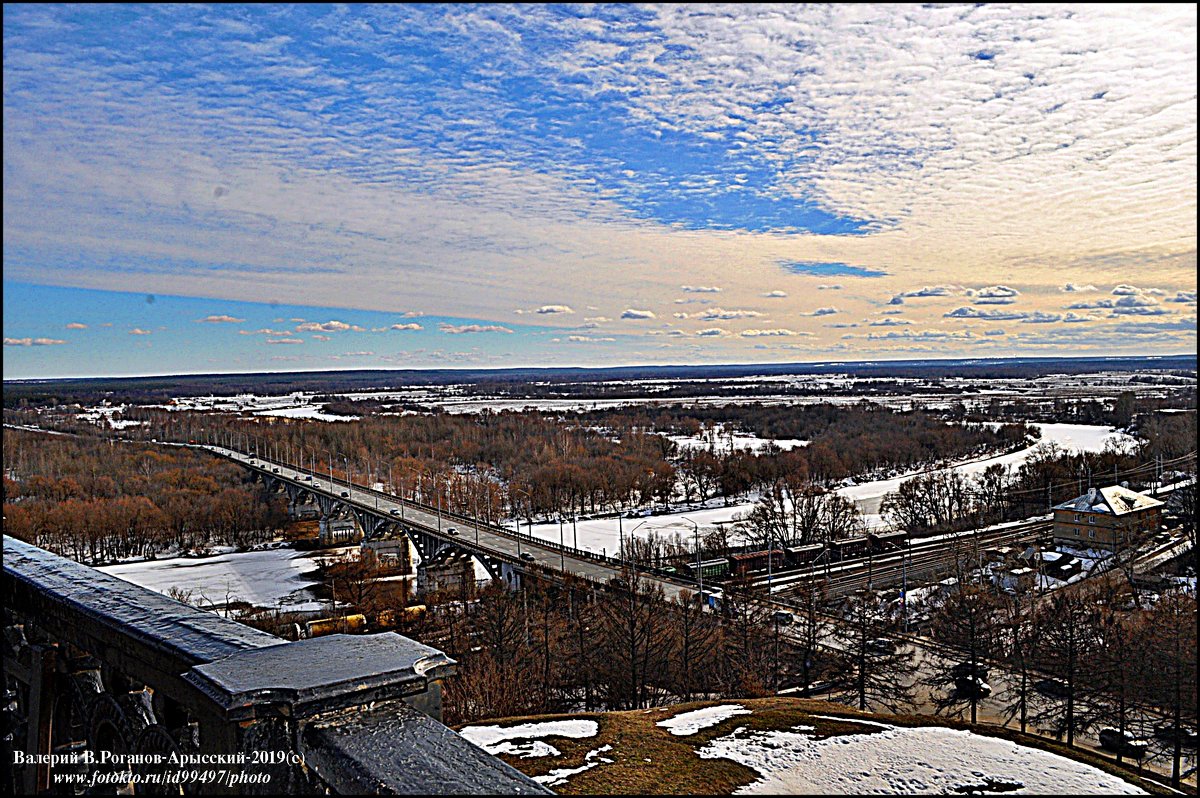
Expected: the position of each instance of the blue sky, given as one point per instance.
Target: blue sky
(605, 184)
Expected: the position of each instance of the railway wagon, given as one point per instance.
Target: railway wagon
(804, 555)
(846, 548)
(888, 541)
(756, 561)
(709, 569)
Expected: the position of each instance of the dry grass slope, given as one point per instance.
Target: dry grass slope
(649, 760)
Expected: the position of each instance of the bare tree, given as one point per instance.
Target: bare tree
(1069, 641)
(874, 668)
(969, 622)
(1171, 672)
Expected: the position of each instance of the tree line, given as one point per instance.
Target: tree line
(97, 502)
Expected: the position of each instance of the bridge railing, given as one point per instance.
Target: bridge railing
(109, 681)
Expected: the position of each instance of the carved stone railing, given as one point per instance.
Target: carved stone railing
(107, 683)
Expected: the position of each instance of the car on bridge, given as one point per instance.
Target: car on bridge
(526, 556)
(345, 494)
(394, 511)
(452, 531)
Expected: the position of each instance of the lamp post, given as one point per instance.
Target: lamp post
(699, 570)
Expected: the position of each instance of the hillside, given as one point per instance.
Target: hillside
(789, 746)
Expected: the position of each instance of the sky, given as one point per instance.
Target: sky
(197, 188)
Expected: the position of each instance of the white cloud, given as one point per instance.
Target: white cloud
(995, 295)
(285, 341)
(220, 320)
(463, 329)
(701, 289)
(775, 294)
(32, 342)
(327, 326)
(920, 293)
(409, 326)
(1071, 288)
(75, 325)
(139, 331)
(633, 313)
(782, 331)
(992, 315)
(712, 332)
(721, 313)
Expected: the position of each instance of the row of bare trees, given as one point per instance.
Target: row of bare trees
(95, 502)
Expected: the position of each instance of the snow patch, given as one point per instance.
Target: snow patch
(687, 723)
(559, 776)
(493, 739)
(904, 761)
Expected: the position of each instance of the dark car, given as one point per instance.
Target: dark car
(1123, 743)
(972, 687)
(1053, 687)
(881, 645)
(345, 494)
(526, 556)
(963, 670)
(451, 531)
(1166, 731)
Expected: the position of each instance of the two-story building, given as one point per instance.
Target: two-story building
(1106, 518)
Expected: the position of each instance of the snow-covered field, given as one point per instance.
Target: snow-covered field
(1071, 437)
(527, 736)
(720, 440)
(304, 411)
(604, 534)
(269, 578)
(905, 761)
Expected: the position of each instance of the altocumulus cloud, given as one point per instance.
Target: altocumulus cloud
(634, 313)
(409, 326)
(219, 320)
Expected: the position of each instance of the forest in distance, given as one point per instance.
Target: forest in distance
(573, 381)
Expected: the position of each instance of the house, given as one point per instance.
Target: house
(1107, 518)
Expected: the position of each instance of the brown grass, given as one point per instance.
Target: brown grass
(649, 760)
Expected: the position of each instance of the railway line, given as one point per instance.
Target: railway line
(922, 560)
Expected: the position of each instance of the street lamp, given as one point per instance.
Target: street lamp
(699, 570)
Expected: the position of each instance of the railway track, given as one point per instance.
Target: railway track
(921, 561)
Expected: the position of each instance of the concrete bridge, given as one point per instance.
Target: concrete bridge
(506, 554)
